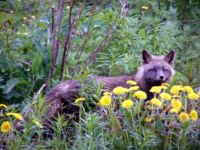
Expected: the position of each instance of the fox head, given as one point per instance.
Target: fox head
(156, 70)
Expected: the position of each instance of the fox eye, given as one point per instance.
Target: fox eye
(153, 70)
(166, 70)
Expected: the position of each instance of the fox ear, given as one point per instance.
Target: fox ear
(169, 58)
(146, 57)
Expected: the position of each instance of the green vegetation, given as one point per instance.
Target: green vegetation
(97, 38)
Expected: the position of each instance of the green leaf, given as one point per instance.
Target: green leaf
(11, 84)
(4, 17)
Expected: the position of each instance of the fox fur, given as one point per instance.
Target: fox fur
(154, 71)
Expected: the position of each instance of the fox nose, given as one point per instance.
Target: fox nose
(161, 77)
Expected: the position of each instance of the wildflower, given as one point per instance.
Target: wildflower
(118, 90)
(79, 100)
(126, 90)
(105, 100)
(176, 104)
(193, 115)
(33, 17)
(144, 7)
(155, 89)
(175, 90)
(127, 104)
(184, 117)
(5, 127)
(163, 87)
(16, 115)
(25, 33)
(24, 18)
(37, 123)
(12, 12)
(174, 110)
(68, 7)
(198, 93)
(134, 88)
(193, 96)
(3, 105)
(19, 0)
(165, 96)
(188, 89)
(140, 95)
(156, 102)
(148, 119)
(9, 29)
(23, 25)
(131, 82)
(107, 93)
(165, 84)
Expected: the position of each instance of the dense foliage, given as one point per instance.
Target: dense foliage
(97, 38)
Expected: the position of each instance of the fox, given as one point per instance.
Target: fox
(154, 71)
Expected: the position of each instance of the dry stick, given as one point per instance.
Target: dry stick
(35, 97)
(93, 55)
(66, 42)
(71, 44)
(98, 49)
(23, 62)
(86, 36)
(53, 17)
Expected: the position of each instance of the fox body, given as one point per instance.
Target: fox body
(154, 71)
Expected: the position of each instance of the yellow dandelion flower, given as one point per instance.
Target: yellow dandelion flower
(176, 104)
(107, 93)
(118, 90)
(19, 0)
(37, 123)
(174, 111)
(1, 32)
(176, 96)
(198, 93)
(127, 104)
(23, 25)
(184, 117)
(188, 89)
(131, 82)
(140, 95)
(193, 96)
(144, 7)
(193, 115)
(68, 7)
(18, 33)
(16, 115)
(134, 88)
(24, 18)
(163, 87)
(165, 96)
(165, 84)
(156, 102)
(105, 101)
(12, 12)
(79, 100)
(175, 90)
(148, 119)
(25, 33)
(155, 89)
(3, 105)
(33, 17)
(5, 127)
(9, 29)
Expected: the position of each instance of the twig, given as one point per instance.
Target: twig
(98, 49)
(35, 97)
(86, 36)
(23, 62)
(66, 41)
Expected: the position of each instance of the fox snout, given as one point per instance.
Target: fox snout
(160, 76)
